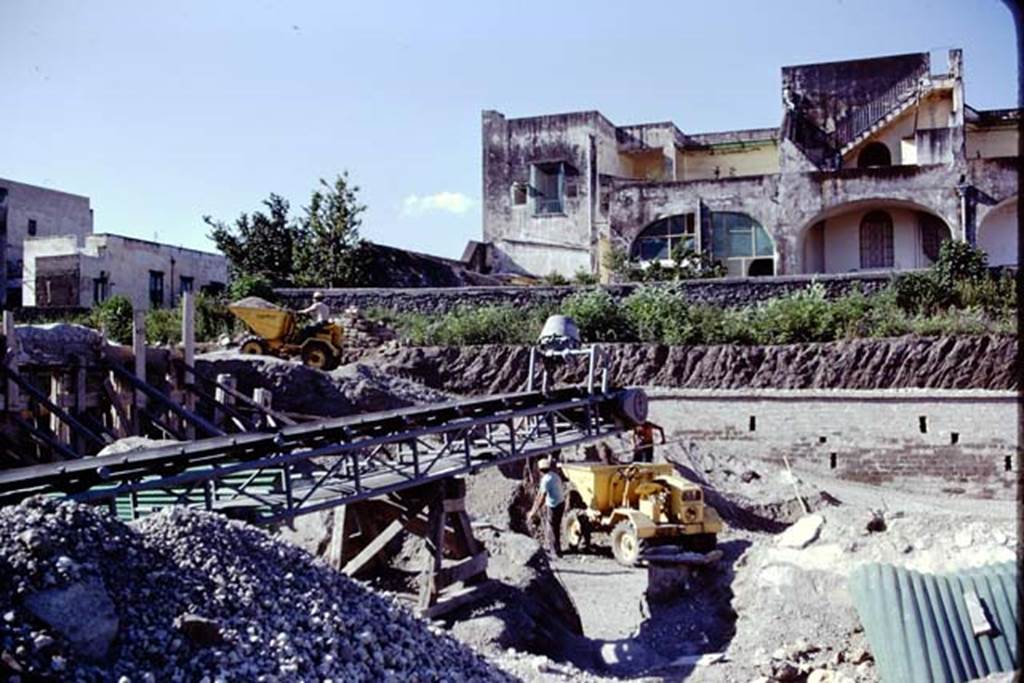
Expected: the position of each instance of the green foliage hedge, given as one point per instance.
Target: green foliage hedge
(957, 295)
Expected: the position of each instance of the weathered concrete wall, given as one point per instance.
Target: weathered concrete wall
(54, 213)
(992, 143)
(646, 172)
(997, 234)
(954, 441)
(126, 264)
(533, 242)
(720, 292)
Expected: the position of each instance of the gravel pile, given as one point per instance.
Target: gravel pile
(256, 302)
(350, 389)
(190, 596)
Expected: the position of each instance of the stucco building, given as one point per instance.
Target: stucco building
(27, 211)
(876, 161)
(70, 271)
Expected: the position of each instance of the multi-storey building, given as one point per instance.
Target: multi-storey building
(27, 211)
(875, 163)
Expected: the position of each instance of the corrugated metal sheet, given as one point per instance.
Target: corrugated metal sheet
(920, 627)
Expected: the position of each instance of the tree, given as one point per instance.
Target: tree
(330, 252)
(261, 244)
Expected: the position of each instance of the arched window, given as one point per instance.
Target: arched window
(663, 238)
(876, 240)
(874, 154)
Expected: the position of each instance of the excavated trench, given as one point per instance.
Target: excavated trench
(586, 609)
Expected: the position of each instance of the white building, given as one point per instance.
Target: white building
(28, 211)
(69, 271)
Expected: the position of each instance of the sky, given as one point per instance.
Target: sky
(163, 112)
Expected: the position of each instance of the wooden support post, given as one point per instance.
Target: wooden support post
(224, 393)
(264, 398)
(188, 340)
(139, 351)
(339, 532)
(60, 396)
(435, 548)
(471, 569)
(12, 397)
(120, 418)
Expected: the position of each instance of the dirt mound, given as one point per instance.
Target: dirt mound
(353, 388)
(186, 595)
(983, 362)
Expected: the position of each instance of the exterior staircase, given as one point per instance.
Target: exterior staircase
(866, 120)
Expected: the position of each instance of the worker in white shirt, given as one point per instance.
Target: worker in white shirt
(320, 312)
(551, 492)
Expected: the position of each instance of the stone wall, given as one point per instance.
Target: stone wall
(956, 442)
(719, 292)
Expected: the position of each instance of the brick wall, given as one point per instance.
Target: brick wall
(959, 442)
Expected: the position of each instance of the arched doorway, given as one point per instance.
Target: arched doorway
(872, 235)
(874, 154)
(997, 234)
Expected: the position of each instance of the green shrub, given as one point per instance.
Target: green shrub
(803, 316)
(246, 285)
(597, 315)
(954, 321)
(115, 316)
(163, 326)
(213, 318)
(922, 292)
(554, 279)
(997, 297)
(467, 326)
(658, 314)
(584, 277)
(960, 261)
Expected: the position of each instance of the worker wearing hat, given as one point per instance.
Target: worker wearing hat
(320, 313)
(552, 493)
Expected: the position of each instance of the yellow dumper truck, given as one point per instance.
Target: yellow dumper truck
(275, 332)
(638, 504)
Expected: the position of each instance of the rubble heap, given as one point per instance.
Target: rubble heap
(187, 595)
(363, 333)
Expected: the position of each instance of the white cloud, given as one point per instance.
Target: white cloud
(450, 202)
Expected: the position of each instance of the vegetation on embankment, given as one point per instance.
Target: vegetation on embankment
(956, 296)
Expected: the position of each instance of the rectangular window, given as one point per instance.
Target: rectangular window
(100, 289)
(33, 228)
(547, 184)
(156, 288)
(187, 284)
(519, 194)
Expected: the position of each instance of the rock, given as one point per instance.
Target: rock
(200, 630)
(822, 676)
(82, 612)
(859, 656)
(963, 538)
(877, 522)
(35, 540)
(802, 533)
(749, 476)
(785, 671)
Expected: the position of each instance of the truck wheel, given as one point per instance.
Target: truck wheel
(318, 355)
(253, 345)
(576, 530)
(700, 543)
(625, 544)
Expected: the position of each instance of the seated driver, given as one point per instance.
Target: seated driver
(320, 312)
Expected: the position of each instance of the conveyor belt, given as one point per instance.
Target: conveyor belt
(318, 465)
